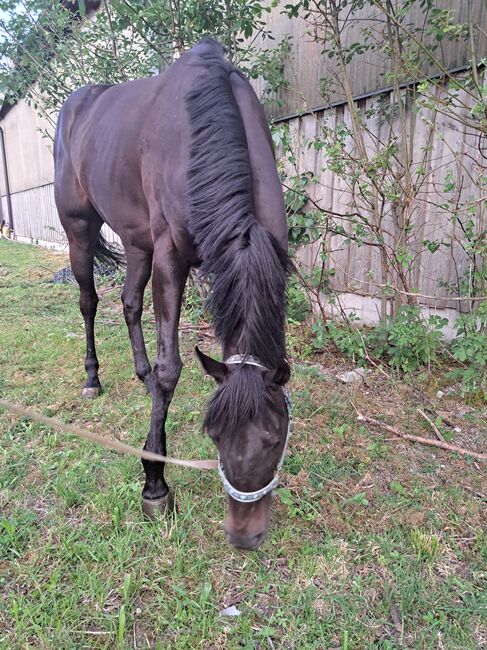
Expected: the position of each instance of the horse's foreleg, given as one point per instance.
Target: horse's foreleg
(169, 275)
(138, 274)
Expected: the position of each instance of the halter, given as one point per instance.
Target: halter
(250, 497)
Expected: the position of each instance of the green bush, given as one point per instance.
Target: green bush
(470, 348)
(346, 338)
(298, 305)
(407, 341)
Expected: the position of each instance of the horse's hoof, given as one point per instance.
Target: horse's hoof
(91, 391)
(156, 508)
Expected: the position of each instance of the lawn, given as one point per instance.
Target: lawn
(374, 542)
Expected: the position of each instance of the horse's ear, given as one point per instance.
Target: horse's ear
(280, 376)
(212, 367)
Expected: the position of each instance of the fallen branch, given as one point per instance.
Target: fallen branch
(432, 424)
(195, 326)
(102, 291)
(418, 439)
(479, 495)
(202, 330)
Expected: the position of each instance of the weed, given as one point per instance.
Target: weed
(407, 341)
(298, 305)
(426, 546)
(347, 339)
(194, 302)
(297, 506)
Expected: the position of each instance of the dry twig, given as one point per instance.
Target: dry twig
(432, 424)
(420, 440)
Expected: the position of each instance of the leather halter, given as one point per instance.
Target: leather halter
(251, 497)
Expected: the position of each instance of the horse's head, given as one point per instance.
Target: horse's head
(248, 420)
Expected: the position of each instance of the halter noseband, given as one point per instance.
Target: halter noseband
(250, 497)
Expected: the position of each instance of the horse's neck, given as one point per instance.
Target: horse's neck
(232, 347)
(229, 348)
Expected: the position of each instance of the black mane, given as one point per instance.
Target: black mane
(246, 265)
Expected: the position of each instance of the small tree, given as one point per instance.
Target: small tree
(383, 171)
(49, 48)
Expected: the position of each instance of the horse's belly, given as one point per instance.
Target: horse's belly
(127, 218)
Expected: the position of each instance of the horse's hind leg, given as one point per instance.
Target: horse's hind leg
(83, 235)
(138, 273)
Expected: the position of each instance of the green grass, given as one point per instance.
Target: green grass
(373, 544)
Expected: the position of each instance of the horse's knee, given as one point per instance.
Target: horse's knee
(88, 303)
(132, 308)
(132, 311)
(166, 374)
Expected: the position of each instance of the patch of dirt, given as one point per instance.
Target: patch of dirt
(396, 403)
(392, 480)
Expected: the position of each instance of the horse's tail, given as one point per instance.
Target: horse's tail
(107, 254)
(246, 264)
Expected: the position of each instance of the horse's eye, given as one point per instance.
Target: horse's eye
(214, 435)
(270, 439)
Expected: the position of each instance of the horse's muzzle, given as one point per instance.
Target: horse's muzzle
(246, 542)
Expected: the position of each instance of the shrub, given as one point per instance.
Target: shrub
(298, 304)
(470, 348)
(407, 341)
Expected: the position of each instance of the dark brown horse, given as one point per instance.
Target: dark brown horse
(181, 167)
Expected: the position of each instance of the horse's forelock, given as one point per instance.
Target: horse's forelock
(240, 399)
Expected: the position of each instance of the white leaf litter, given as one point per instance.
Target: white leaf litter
(352, 376)
(230, 611)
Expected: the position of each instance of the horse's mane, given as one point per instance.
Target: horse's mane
(245, 263)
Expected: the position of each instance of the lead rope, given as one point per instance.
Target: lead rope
(122, 447)
(109, 443)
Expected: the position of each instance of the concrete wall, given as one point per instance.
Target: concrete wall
(29, 154)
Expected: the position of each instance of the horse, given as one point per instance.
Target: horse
(182, 167)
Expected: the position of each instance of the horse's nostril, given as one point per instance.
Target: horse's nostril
(246, 542)
(258, 538)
